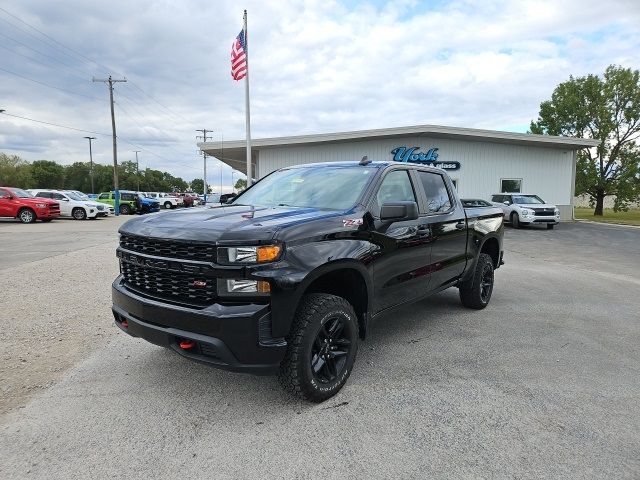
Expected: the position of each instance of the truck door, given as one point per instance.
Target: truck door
(65, 204)
(448, 229)
(400, 271)
(5, 204)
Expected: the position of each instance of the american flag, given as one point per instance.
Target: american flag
(239, 57)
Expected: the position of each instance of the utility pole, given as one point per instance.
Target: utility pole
(110, 81)
(91, 162)
(137, 168)
(204, 156)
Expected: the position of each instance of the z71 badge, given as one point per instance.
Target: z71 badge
(352, 222)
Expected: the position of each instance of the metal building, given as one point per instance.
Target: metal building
(481, 162)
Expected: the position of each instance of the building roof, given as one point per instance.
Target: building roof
(233, 152)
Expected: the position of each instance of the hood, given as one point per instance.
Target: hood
(224, 223)
(536, 206)
(32, 200)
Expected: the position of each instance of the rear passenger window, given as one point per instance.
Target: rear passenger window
(127, 197)
(437, 196)
(43, 194)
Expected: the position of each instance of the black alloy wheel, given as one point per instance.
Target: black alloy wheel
(486, 283)
(475, 291)
(330, 350)
(321, 347)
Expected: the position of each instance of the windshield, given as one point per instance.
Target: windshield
(74, 196)
(17, 192)
(333, 188)
(528, 199)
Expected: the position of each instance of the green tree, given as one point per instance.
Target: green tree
(14, 171)
(77, 176)
(197, 185)
(607, 109)
(241, 184)
(47, 174)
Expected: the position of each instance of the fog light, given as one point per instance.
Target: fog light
(243, 287)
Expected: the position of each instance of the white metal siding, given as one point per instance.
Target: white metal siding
(544, 171)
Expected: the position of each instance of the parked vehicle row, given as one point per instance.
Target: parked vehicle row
(130, 202)
(166, 200)
(72, 205)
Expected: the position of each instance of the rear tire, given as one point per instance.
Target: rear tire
(550, 226)
(322, 347)
(79, 213)
(26, 215)
(125, 209)
(167, 205)
(476, 292)
(515, 220)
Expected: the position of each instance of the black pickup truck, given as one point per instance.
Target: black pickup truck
(287, 277)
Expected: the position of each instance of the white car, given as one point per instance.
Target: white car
(526, 209)
(104, 209)
(71, 205)
(165, 200)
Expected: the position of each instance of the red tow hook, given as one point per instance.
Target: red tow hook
(187, 344)
(124, 324)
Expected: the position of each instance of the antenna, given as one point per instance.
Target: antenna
(365, 161)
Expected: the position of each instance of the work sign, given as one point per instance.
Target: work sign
(430, 157)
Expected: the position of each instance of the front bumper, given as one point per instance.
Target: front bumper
(553, 220)
(225, 336)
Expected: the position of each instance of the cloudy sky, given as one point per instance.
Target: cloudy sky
(316, 66)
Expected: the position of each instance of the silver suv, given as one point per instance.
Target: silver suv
(525, 209)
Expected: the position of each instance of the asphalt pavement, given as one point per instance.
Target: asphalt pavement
(543, 383)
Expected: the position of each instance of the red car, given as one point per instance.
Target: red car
(16, 203)
(187, 199)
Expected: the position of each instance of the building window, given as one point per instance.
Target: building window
(511, 185)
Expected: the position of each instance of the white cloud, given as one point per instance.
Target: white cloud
(315, 66)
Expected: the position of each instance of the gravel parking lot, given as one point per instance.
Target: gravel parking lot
(544, 383)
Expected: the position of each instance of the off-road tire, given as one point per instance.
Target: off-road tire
(515, 220)
(79, 213)
(471, 291)
(314, 311)
(125, 209)
(550, 226)
(167, 205)
(26, 215)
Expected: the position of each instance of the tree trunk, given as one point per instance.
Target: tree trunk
(599, 203)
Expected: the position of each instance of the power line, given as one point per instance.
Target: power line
(48, 85)
(55, 124)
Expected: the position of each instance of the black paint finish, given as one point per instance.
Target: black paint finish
(373, 264)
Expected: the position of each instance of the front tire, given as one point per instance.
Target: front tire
(125, 209)
(322, 347)
(26, 215)
(476, 291)
(515, 220)
(79, 214)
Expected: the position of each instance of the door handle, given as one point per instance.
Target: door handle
(460, 225)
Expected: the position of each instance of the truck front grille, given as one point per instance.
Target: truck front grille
(544, 212)
(169, 248)
(176, 287)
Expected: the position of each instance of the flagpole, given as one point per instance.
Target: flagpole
(246, 96)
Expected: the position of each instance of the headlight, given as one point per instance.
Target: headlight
(243, 287)
(258, 254)
(557, 212)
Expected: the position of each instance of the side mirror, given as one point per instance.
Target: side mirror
(398, 211)
(507, 202)
(64, 199)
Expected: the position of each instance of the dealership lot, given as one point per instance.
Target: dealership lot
(542, 383)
